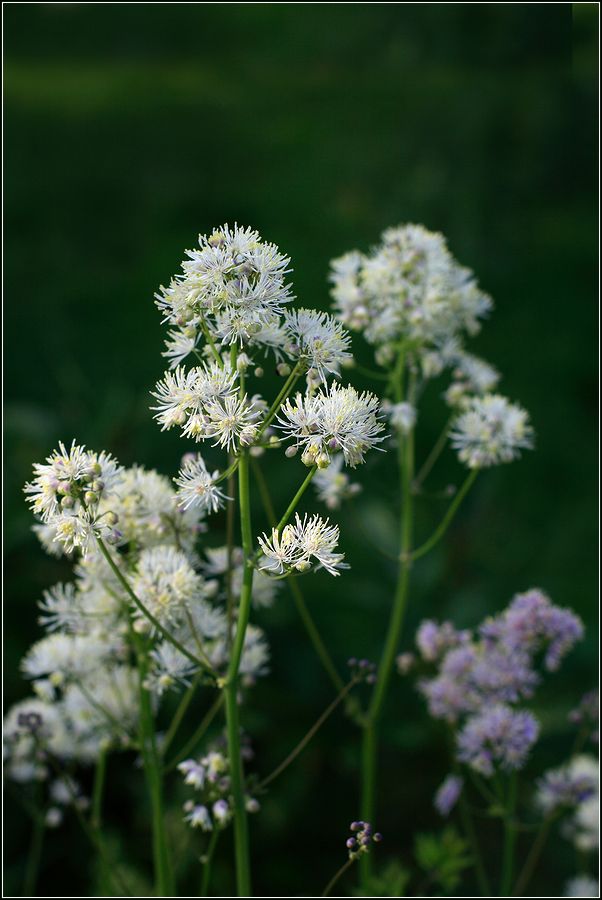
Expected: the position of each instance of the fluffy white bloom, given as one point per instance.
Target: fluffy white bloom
(21, 760)
(333, 485)
(102, 708)
(169, 668)
(490, 431)
(228, 421)
(409, 287)
(338, 418)
(182, 394)
(66, 492)
(402, 416)
(298, 544)
(317, 339)
(232, 270)
(180, 344)
(65, 656)
(196, 487)
(166, 584)
(199, 817)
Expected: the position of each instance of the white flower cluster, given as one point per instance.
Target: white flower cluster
(490, 431)
(209, 776)
(331, 420)
(408, 288)
(307, 542)
(68, 491)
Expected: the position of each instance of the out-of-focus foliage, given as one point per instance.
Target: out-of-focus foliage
(131, 128)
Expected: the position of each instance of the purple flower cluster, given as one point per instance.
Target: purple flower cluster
(361, 838)
(568, 786)
(447, 794)
(497, 735)
(479, 677)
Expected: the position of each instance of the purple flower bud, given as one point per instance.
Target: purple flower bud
(350, 843)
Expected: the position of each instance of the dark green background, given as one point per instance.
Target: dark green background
(129, 129)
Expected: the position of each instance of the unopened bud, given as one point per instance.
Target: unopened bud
(258, 372)
(283, 369)
(291, 451)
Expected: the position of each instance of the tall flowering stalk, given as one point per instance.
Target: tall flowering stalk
(415, 304)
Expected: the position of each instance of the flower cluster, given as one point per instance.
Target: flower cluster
(568, 786)
(490, 431)
(332, 420)
(480, 678)
(308, 542)
(587, 714)
(68, 491)
(209, 776)
(362, 837)
(408, 288)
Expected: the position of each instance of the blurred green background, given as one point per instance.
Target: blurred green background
(130, 128)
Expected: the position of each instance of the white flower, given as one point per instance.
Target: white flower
(64, 656)
(490, 431)
(338, 418)
(193, 772)
(297, 545)
(333, 485)
(199, 817)
(196, 487)
(182, 394)
(179, 345)
(317, 339)
(169, 668)
(409, 287)
(402, 416)
(230, 420)
(166, 584)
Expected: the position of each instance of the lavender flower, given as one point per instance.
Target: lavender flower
(447, 794)
(433, 639)
(498, 735)
(568, 786)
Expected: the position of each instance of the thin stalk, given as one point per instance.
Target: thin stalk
(206, 874)
(148, 615)
(198, 734)
(180, 713)
(447, 518)
(34, 856)
(509, 838)
(105, 712)
(295, 501)
(385, 669)
(533, 858)
(336, 877)
(304, 613)
(286, 388)
(211, 343)
(433, 456)
(468, 826)
(152, 769)
(310, 734)
(241, 836)
(230, 511)
(96, 810)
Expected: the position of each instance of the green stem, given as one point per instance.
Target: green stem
(304, 613)
(206, 874)
(146, 613)
(533, 858)
(231, 509)
(468, 826)
(312, 731)
(447, 518)
(295, 501)
(180, 713)
(241, 836)
(96, 810)
(152, 769)
(211, 343)
(385, 669)
(32, 867)
(198, 734)
(336, 877)
(433, 456)
(286, 388)
(509, 838)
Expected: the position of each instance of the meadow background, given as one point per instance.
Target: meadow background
(130, 128)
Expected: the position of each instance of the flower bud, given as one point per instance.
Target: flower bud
(283, 369)
(291, 451)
